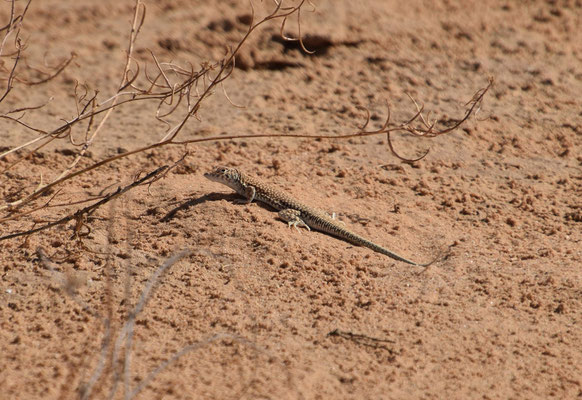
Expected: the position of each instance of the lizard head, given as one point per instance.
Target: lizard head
(224, 175)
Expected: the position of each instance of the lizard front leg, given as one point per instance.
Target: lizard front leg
(249, 195)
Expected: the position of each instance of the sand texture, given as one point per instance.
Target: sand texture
(174, 290)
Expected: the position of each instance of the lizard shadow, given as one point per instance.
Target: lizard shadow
(196, 201)
(232, 197)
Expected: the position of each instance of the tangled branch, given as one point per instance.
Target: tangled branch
(174, 89)
(81, 215)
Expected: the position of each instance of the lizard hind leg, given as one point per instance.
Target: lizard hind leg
(292, 218)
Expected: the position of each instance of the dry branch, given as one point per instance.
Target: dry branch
(125, 334)
(174, 88)
(83, 213)
(159, 88)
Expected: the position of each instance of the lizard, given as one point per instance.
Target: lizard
(294, 212)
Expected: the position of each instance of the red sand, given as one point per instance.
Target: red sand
(306, 315)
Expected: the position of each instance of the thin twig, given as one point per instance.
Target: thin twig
(90, 209)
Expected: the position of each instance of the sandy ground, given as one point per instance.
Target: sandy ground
(262, 311)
